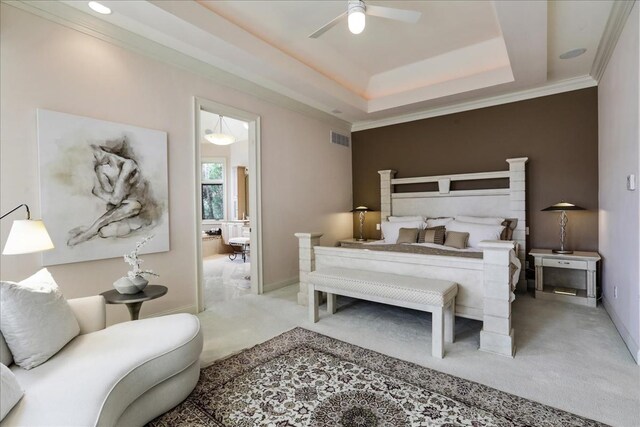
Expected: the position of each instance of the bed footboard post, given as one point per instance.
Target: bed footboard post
(497, 335)
(307, 259)
(517, 200)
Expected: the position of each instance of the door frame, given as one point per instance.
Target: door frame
(255, 196)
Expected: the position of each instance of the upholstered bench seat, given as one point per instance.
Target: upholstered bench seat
(123, 375)
(432, 295)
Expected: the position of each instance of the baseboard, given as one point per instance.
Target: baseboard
(268, 287)
(190, 309)
(632, 346)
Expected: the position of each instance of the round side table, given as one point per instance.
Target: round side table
(134, 301)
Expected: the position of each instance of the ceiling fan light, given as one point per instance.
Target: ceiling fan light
(356, 20)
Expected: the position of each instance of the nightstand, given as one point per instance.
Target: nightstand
(558, 273)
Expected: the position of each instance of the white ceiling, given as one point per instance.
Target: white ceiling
(459, 51)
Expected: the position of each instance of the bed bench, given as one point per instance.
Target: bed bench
(432, 295)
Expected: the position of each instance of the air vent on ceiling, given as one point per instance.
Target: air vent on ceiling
(340, 139)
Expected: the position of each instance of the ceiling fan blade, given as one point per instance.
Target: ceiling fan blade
(326, 27)
(410, 16)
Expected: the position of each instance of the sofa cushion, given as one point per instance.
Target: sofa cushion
(10, 391)
(35, 319)
(98, 375)
(6, 358)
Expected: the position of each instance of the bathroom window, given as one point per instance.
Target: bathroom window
(213, 173)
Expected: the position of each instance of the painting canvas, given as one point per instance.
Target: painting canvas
(103, 187)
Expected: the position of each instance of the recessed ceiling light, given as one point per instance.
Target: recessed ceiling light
(573, 53)
(100, 8)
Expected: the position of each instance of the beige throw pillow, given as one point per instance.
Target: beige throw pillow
(432, 235)
(507, 233)
(407, 235)
(456, 239)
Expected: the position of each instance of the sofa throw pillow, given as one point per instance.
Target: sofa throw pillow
(456, 239)
(407, 235)
(391, 230)
(432, 235)
(11, 391)
(36, 319)
(6, 358)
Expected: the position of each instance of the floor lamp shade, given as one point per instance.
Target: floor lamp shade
(27, 236)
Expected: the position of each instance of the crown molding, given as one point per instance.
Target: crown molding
(620, 11)
(545, 90)
(74, 19)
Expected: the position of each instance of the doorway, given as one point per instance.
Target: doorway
(227, 199)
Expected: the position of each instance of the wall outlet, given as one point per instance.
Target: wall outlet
(615, 292)
(631, 182)
(378, 227)
(526, 231)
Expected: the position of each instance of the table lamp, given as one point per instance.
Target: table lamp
(362, 211)
(563, 207)
(26, 235)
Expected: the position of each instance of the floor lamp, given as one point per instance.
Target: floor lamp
(564, 220)
(26, 235)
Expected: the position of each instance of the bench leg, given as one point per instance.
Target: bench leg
(437, 332)
(450, 321)
(314, 304)
(331, 303)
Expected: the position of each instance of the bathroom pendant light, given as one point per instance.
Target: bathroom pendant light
(219, 138)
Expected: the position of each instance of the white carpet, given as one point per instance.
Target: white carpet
(568, 357)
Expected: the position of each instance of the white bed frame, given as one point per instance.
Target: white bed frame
(484, 285)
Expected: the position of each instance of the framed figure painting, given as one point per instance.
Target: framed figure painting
(103, 187)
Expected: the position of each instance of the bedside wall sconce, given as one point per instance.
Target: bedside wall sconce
(26, 235)
(564, 220)
(362, 211)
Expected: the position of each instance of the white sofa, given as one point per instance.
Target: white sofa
(126, 374)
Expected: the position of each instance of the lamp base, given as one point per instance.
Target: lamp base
(561, 251)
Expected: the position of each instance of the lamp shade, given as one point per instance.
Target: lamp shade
(360, 209)
(27, 236)
(564, 206)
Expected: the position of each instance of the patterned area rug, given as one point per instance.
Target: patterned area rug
(302, 378)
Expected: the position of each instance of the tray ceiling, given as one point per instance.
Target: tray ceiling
(457, 52)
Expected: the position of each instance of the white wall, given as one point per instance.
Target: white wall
(619, 156)
(306, 182)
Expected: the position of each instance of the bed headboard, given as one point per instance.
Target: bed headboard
(499, 202)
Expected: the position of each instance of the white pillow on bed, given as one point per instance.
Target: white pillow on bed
(477, 232)
(405, 218)
(480, 220)
(438, 222)
(390, 230)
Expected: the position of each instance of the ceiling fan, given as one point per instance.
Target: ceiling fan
(356, 11)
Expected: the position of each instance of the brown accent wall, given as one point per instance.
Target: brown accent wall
(559, 134)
